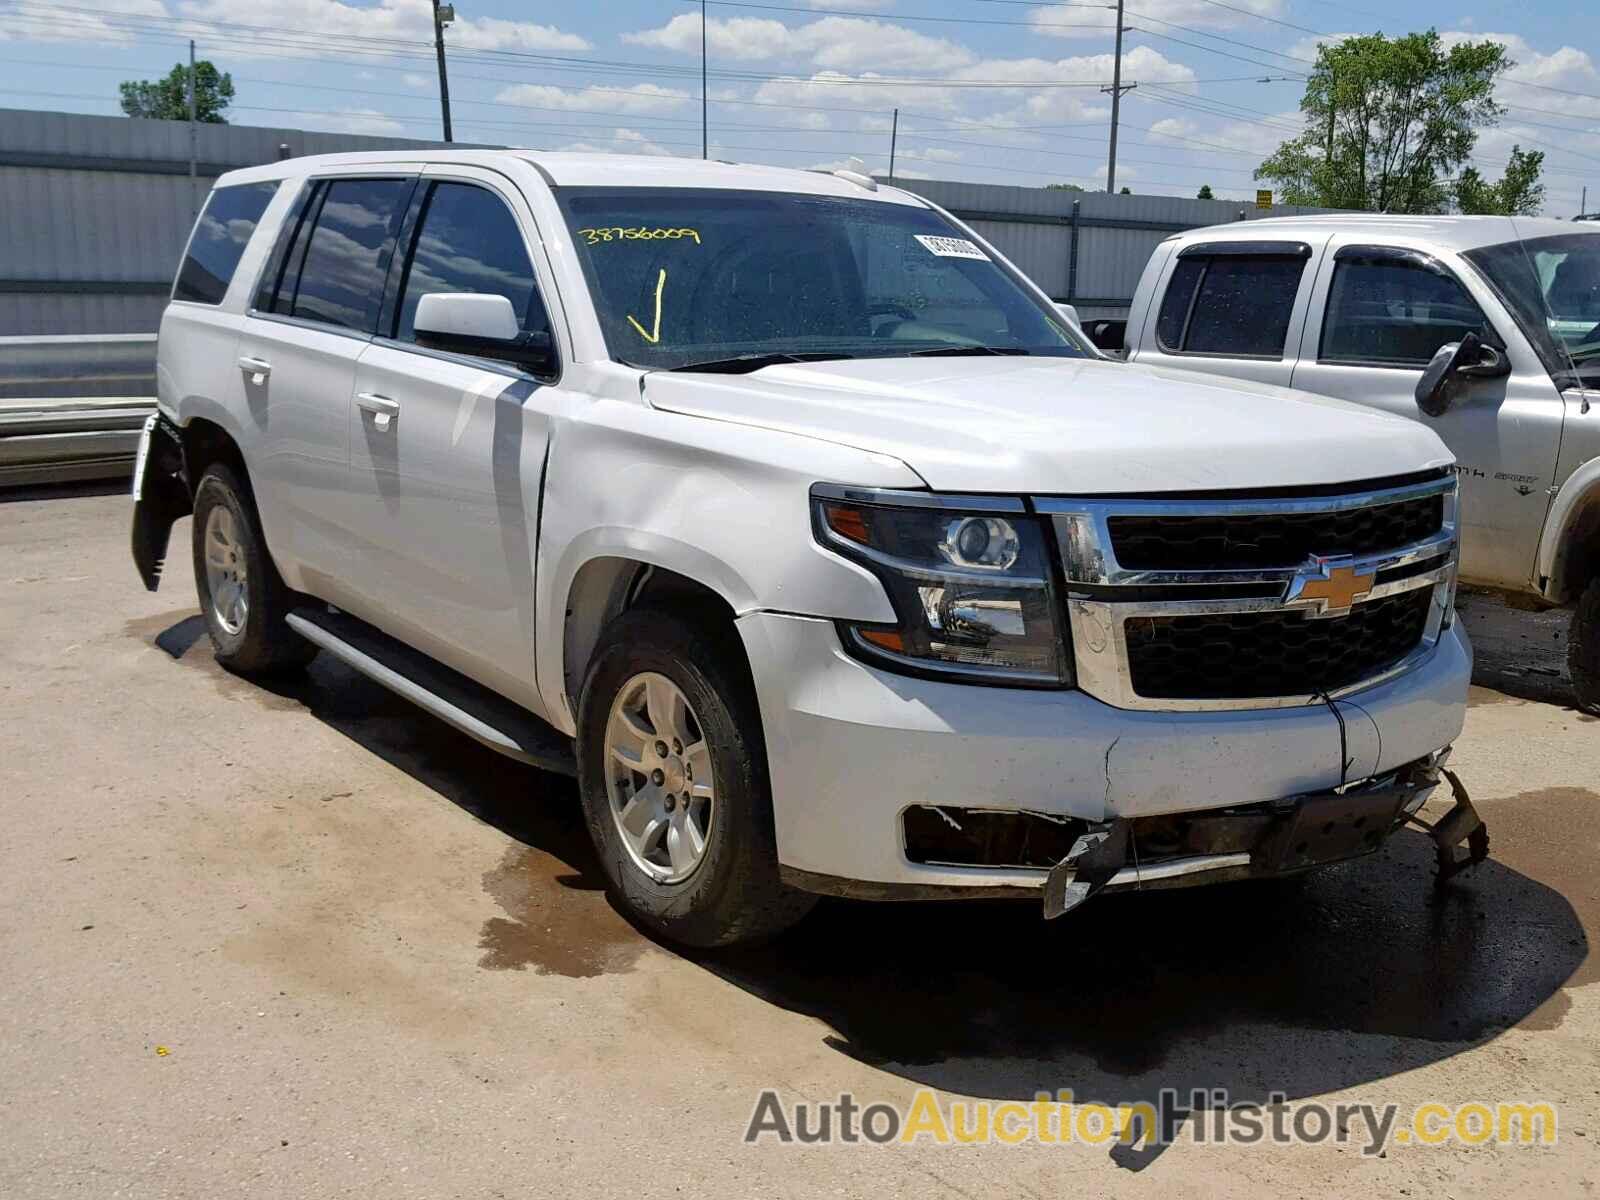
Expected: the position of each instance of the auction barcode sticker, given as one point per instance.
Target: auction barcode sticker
(951, 247)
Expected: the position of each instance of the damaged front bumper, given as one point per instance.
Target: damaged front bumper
(161, 495)
(1266, 840)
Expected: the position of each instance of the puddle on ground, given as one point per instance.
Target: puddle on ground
(557, 921)
(1479, 696)
(1552, 835)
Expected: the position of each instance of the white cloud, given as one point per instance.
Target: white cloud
(33, 22)
(831, 43)
(746, 38)
(1064, 21)
(413, 79)
(363, 120)
(636, 100)
(866, 90)
(328, 22)
(622, 141)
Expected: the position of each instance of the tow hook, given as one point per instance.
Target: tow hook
(1461, 824)
(1094, 858)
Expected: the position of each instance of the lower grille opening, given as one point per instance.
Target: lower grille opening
(1236, 656)
(941, 835)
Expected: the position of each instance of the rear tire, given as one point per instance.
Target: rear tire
(242, 597)
(694, 860)
(1583, 648)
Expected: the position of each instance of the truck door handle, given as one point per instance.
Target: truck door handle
(384, 410)
(258, 368)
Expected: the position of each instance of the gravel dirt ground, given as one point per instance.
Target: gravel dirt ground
(305, 941)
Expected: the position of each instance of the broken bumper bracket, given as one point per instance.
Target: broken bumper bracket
(1460, 838)
(1093, 861)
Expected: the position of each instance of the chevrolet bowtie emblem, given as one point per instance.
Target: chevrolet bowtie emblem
(1328, 587)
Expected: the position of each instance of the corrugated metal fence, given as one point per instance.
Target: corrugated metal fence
(97, 210)
(1087, 248)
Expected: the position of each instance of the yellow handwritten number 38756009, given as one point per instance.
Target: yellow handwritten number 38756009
(654, 335)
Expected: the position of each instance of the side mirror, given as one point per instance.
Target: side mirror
(1070, 312)
(1108, 335)
(1471, 357)
(482, 325)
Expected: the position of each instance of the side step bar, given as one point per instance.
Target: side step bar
(452, 697)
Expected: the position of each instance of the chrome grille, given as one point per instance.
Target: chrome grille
(1186, 603)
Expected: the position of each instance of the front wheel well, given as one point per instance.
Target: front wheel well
(605, 588)
(1577, 558)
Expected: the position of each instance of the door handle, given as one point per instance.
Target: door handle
(384, 410)
(257, 368)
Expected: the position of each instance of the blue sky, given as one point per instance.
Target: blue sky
(1000, 91)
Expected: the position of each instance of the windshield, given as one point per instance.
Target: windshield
(1552, 286)
(690, 277)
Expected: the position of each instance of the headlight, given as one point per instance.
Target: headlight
(973, 591)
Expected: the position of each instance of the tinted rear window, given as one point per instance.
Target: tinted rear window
(1236, 306)
(220, 236)
(347, 258)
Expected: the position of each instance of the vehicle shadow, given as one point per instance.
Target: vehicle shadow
(1359, 973)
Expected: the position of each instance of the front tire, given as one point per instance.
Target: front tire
(1583, 648)
(672, 769)
(242, 597)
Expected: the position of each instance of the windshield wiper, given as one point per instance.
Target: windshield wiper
(960, 351)
(743, 364)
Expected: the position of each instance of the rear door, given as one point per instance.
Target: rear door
(1231, 308)
(1379, 314)
(316, 309)
(447, 450)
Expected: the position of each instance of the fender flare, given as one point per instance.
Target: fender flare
(1574, 516)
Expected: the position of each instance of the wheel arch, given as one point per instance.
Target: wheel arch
(1569, 554)
(607, 584)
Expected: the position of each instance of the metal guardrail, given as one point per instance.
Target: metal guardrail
(71, 407)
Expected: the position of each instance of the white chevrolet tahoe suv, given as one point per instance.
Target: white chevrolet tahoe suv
(790, 517)
(1484, 329)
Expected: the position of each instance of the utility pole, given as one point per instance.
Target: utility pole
(1583, 205)
(705, 124)
(443, 14)
(1116, 89)
(894, 136)
(193, 135)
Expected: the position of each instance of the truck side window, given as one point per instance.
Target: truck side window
(468, 241)
(220, 236)
(341, 282)
(1390, 312)
(1235, 305)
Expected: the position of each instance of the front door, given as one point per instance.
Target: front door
(1377, 317)
(447, 451)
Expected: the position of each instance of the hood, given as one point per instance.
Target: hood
(1064, 426)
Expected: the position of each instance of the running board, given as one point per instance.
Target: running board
(472, 708)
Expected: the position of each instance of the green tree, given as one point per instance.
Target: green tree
(1204, 193)
(1062, 187)
(1388, 122)
(1518, 194)
(167, 99)
(1126, 191)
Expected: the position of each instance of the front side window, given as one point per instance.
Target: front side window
(1394, 312)
(224, 229)
(347, 255)
(682, 277)
(1236, 305)
(468, 241)
(1552, 287)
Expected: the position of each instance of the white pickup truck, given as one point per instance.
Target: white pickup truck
(1484, 329)
(790, 516)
